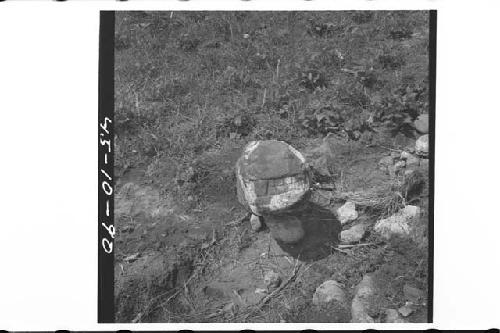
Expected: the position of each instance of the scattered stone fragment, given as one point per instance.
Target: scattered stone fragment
(422, 145)
(347, 212)
(410, 149)
(353, 234)
(422, 123)
(392, 316)
(230, 307)
(329, 291)
(255, 222)
(406, 309)
(413, 294)
(400, 165)
(272, 280)
(404, 155)
(412, 161)
(132, 257)
(363, 296)
(260, 291)
(320, 158)
(409, 172)
(397, 224)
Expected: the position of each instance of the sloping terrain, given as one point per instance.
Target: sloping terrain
(344, 88)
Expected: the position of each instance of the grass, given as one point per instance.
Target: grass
(189, 82)
(192, 88)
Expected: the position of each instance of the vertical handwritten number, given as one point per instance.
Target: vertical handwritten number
(107, 245)
(107, 188)
(104, 125)
(105, 174)
(111, 229)
(105, 142)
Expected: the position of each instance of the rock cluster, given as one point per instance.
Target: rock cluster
(354, 234)
(399, 224)
(422, 123)
(410, 159)
(347, 212)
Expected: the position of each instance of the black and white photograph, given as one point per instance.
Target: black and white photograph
(273, 166)
(225, 165)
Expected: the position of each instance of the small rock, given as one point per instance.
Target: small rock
(132, 257)
(347, 212)
(413, 294)
(394, 154)
(364, 293)
(392, 316)
(353, 234)
(397, 224)
(329, 291)
(412, 161)
(410, 149)
(272, 280)
(260, 291)
(422, 123)
(408, 172)
(406, 309)
(422, 145)
(230, 307)
(399, 165)
(255, 222)
(404, 155)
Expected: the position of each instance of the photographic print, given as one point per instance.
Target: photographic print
(272, 167)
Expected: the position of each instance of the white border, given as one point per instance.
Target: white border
(48, 105)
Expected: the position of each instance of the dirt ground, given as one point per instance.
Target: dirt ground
(201, 262)
(192, 88)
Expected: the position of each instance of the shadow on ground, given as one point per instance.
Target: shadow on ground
(322, 230)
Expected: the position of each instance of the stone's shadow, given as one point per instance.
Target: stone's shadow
(322, 231)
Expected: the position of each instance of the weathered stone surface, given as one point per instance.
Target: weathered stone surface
(392, 316)
(271, 177)
(255, 222)
(363, 297)
(272, 280)
(347, 212)
(399, 224)
(413, 294)
(353, 234)
(330, 291)
(321, 158)
(400, 165)
(406, 309)
(422, 145)
(422, 123)
(412, 161)
(404, 155)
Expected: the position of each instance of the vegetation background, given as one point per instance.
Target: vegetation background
(192, 88)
